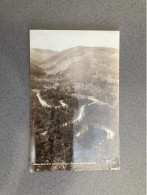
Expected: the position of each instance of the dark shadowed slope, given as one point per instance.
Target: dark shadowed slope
(36, 71)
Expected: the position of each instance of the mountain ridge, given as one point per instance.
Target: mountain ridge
(93, 70)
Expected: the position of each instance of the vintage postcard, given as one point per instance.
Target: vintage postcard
(74, 99)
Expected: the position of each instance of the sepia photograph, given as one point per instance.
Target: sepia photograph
(74, 100)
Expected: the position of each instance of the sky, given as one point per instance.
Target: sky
(58, 40)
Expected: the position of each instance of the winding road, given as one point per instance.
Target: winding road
(110, 133)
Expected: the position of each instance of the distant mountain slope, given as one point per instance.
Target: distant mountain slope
(63, 59)
(40, 56)
(93, 70)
